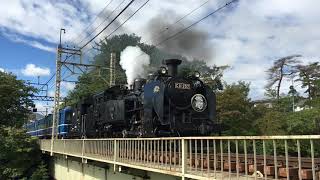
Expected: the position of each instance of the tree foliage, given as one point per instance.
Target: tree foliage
(211, 76)
(235, 110)
(238, 114)
(15, 101)
(309, 76)
(281, 68)
(271, 123)
(95, 81)
(303, 122)
(20, 156)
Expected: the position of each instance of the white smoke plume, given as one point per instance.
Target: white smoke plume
(133, 60)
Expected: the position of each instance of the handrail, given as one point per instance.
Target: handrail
(201, 157)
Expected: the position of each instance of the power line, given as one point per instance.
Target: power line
(108, 24)
(180, 19)
(124, 22)
(87, 29)
(195, 23)
(73, 40)
(102, 21)
(128, 18)
(188, 27)
(55, 73)
(48, 80)
(164, 30)
(166, 39)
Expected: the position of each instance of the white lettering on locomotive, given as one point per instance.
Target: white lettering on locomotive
(182, 86)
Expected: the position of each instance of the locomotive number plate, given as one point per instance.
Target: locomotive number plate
(182, 86)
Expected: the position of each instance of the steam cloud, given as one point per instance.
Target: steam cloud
(193, 43)
(133, 60)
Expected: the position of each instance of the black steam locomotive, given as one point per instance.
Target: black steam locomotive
(162, 105)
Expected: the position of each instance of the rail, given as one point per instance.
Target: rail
(229, 157)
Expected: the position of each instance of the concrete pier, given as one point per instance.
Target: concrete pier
(73, 169)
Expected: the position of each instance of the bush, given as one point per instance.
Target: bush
(20, 156)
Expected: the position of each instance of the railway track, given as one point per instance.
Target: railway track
(241, 164)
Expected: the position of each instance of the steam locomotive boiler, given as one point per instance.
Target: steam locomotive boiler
(165, 104)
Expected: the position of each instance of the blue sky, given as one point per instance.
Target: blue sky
(248, 36)
(15, 56)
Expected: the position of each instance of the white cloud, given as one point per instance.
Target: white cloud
(248, 36)
(33, 43)
(43, 107)
(68, 85)
(255, 33)
(40, 19)
(51, 93)
(2, 70)
(33, 71)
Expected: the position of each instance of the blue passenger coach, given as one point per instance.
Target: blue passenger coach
(65, 116)
(42, 128)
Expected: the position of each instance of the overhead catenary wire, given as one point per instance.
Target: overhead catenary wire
(195, 23)
(67, 57)
(109, 15)
(188, 27)
(171, 36)
(96, 17)
(94, 30)
(135, 12)
(126, 7)
(53, 75)
(47, 83)
(128, 18)
(164, 30)
(180, 19)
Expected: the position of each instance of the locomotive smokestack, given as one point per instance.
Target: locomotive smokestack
(172, 65)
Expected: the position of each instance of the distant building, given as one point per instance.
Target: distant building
(301, 105)
(268, 103)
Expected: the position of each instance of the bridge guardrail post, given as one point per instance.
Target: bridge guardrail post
(51, 146)
(116, 153)
(84, 160)
(184, 154)
(64, 146)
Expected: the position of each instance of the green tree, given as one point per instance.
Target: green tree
(40, 173)
(303, 122)
(272, 123)
(281, 68)
(20, 156)
(309, 76)
(235, 110)
(92, 82)
(211, 76)
(15, 101)
(95, 80)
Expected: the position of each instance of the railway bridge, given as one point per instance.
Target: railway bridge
(222, 157)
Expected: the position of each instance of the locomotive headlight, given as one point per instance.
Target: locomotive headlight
(197, 74)
(163, 70)
(199, 102)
